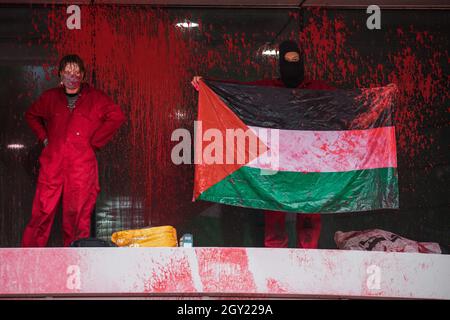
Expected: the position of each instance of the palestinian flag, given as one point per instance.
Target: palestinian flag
(305, 151)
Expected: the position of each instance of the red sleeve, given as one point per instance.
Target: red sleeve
(112, 118)
(35, 116)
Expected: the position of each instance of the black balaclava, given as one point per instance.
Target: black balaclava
(292, 73)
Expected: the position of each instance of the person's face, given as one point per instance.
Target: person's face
(291, 68)
(72, 69)
(292, 56)
(71, 77)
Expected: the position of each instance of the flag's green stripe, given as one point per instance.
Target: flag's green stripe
(321, 192)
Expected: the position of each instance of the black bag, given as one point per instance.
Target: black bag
(91, 242)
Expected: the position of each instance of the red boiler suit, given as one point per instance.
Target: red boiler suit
(68, 165)
(308, 225)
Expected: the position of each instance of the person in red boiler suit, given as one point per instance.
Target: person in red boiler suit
(72, 121)
(308, 225)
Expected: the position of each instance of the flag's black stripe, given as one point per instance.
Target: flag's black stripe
(297, 109)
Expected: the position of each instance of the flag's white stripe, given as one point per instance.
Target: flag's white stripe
(326, 151)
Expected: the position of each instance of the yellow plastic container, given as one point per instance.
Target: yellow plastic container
(164, 236)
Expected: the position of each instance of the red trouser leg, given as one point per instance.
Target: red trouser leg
(275, 230)
(308, 230)
(78, 205)
(79, 197)
(45, 204)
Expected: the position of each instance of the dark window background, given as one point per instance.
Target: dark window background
(138, 56)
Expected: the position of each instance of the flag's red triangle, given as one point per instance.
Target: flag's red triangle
(214, 114)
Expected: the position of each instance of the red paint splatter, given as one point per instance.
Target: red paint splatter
(18, 275)
(374, 101)
(416, 70)
(274, 286)
(175, 276)
(225, 269)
